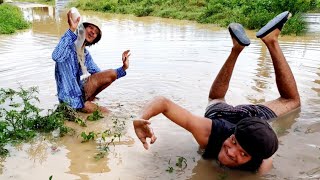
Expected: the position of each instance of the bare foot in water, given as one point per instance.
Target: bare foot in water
(104, 109)
(90, 107)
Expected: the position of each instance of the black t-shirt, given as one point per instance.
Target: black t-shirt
(224, 119)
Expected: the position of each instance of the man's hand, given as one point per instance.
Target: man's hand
(72, 24)
(143, 131)
(125, 59)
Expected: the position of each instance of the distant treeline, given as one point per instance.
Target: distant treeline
(253, 14)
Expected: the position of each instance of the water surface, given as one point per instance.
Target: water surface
(176, 59)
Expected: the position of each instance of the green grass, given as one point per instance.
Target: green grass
(11, 19)
(49, 2)
(252, 14)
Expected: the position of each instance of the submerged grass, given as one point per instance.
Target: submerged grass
(252, 14)
(11, 19)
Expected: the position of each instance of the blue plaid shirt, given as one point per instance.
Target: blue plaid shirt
(68, 70)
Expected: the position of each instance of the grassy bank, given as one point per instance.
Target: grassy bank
(11, 19)
(49, 2)
(252, 14)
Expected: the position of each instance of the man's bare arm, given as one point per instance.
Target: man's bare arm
(200, 127)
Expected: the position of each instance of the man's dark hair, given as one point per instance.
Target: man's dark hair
(97, 39)
(258, 139)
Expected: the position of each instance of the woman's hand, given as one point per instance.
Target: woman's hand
(72, 24)
(144, 131)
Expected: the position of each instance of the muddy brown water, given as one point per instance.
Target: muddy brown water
(176, 59)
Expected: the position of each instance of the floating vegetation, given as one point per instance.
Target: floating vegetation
(181, 164)
(106, 138)
(88, 137)
(96, 115)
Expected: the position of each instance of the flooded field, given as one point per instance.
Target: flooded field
(176, 59)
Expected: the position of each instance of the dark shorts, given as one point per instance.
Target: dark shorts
(83, 82)
(234, 114)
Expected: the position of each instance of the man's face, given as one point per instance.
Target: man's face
(232, 154)
(91, 33)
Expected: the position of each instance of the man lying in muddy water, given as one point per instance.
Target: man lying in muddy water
(78, 78)
(238, 137)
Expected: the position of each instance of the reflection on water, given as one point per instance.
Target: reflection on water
(177, 59)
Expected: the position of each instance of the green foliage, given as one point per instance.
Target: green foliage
(50, 2)
(222, 176)
(88, 137)
(20, 118)
(80, 122)
(252, 14)
(109, 136)
(11, 19)
(96, 115)
(255, 14)
(170, 169)
(50, 178)
(181, 163)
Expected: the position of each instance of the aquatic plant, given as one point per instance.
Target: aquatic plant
(170, 169)
(20, 118)
(181, 163)
(109, 136)
(96, 115)
(87, 137)
(11, 19)
(222, 176)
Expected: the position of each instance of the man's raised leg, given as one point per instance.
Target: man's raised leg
(220, 85)
(101, 80)
(287, 87)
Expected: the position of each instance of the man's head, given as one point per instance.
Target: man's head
(253, 140)
(93, 33)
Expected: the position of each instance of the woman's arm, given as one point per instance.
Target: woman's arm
(200, 127)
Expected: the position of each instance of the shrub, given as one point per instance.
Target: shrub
(11, 19)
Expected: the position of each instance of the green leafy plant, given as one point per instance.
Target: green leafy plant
(87, 137)
(11, 19)
(96, 115)
(181, 163)
(80, 122)
(21, 119)
(109, 136)
(170, 169)
(222, 176)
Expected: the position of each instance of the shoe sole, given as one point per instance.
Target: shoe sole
(237, 31)
(277, 22)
